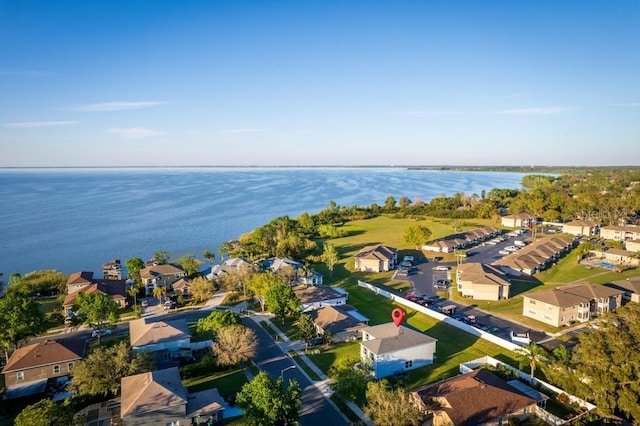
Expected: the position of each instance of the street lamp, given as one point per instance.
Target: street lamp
(285, 369)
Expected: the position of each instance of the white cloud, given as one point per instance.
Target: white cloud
(629, 105)
(135, 133)
(116, 106)
(533, 111)
(32, 124)
(247, 130)
(423, 113)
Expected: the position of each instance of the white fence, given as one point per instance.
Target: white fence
(441, 317)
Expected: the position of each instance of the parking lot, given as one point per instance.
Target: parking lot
(426, 277)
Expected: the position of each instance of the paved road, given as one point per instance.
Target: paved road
(316, 410)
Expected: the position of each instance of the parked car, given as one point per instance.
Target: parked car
(503, 252)
(440, 286)
(519, 243)
(440, 268)
(144, 304)
(408, 259)
(511, 248)
(101, 333)
(167, 305)
(412, 297)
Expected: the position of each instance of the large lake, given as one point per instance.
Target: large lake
(77, 219)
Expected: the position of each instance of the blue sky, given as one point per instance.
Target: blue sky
(155, 83)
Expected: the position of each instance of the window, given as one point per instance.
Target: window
(176, 423)
(533, 302)
(408, 364)
(526, 410)
(167, 356)
(532, 312)
(56, 369)
(500, 422)
(70, 366)
(20, 376)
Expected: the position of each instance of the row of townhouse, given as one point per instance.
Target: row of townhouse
(536, 256)
(461, 240)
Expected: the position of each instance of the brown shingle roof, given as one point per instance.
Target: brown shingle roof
(114, 288)
(152, 391)
(334, 319)
(378, 252)
(535, 254)
(481, 273)
(142, 333)
(45, 353)
(587, 223)
(630, 284)
(165, 269)
(389, 338)
(474, 398)
(80, 278)
(570, 295)
(319, 293)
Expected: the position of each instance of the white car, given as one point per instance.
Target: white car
(519, 243)
(503, 252)
(511, 248)
(101, 333)
(441, 268)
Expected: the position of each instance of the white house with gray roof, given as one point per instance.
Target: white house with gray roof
(389, 349)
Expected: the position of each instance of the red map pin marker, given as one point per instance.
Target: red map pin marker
(398, 315)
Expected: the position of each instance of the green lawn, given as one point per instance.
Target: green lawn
(48, 304)
(227, 382)
(328, 356)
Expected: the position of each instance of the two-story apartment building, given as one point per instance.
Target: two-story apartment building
(482, 282)
(390, 349)
(519, 220)
(377, 258)
(580, 228)
(620, 233)
(578, 302)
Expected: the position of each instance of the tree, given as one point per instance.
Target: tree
(282, 301)
(306, 329)
(208, 256)
(133, 290)
(39, 282)
(330, 257)
(159, 292)
(234, 344)
(416, 235)
(225, 248)
(390, 203)
(404, 202)
(99, 310)
(531, 355)
(20, 319)
(260, 283)
(161, 257)
(605, 364)
(391, 407)
(134, 266)
(45, 413)
(269, 402)
(190, 264)
(100, 372)
(217, 320)
(348, 382)
(201, 289)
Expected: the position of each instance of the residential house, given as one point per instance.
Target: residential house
(580, 228)
(315, 297)
(84, 282)
(232, 265)
(112, 270)
(520, 220)
(475, 398)
(30, 367)
(343, 322)
(630, 288)
(535, 257)
(461, 240)
(294, 271)
(114, 288)
(159, 398)
(620, 233)
(482, 282)
(578, 302)
(168, 341)
(182, 286)
(160, 276)
(377, 258)
(391, 349)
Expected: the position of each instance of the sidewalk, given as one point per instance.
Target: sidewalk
(323, 384)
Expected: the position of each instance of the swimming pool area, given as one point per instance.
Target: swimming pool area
(605, 265)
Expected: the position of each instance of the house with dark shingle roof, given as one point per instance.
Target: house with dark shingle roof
(475, 398)
(630, 288)
(377, 258)
(343, 322)
(535, 257)
(160, 276)
(114, 288)
(315, 297)
(461, 240)
(389, 349)
(562, 305)
(30, 367)
(159, 398)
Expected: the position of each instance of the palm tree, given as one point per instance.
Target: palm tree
(133, 292)
(208, 256)
(159, 292)
(532, 355)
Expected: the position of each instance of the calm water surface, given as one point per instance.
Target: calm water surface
(77, 219)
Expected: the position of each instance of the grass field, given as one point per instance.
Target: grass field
(227, 382)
